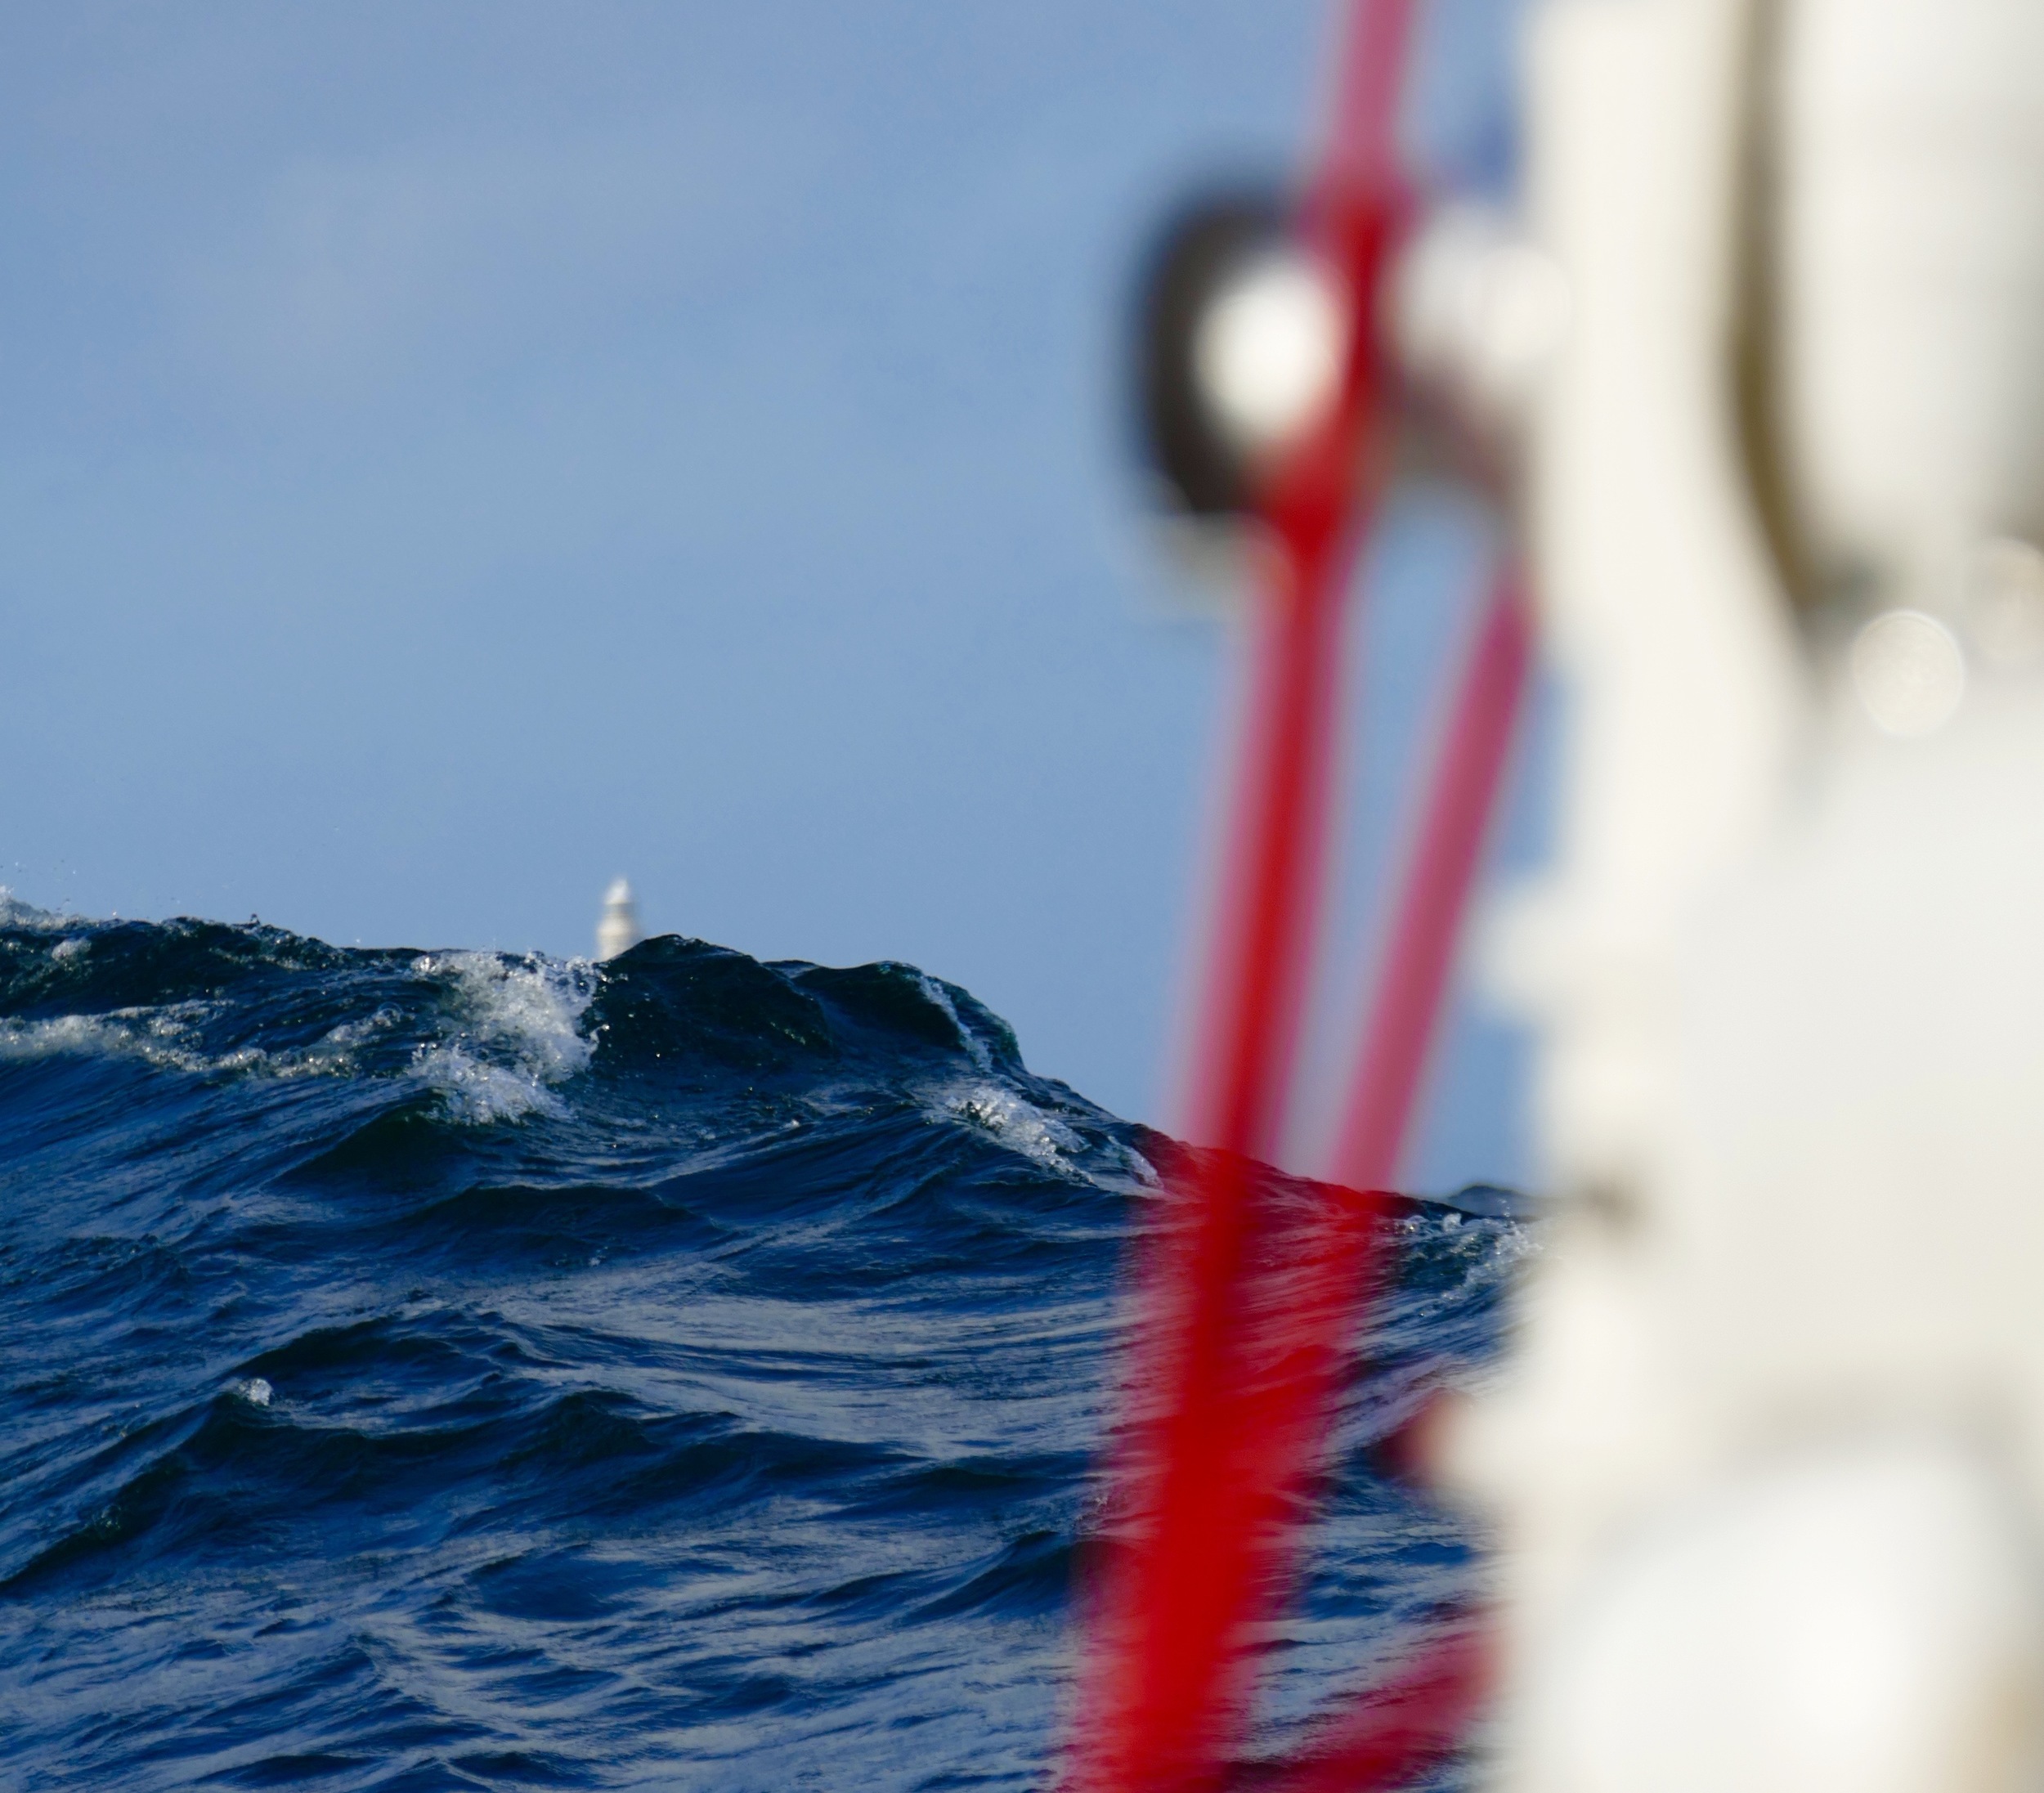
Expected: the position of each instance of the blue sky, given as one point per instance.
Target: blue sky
(450, 455)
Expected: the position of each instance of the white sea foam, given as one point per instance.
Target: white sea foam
(516, 1033)
(161, 1036)
(84, 1035)
(479, 1093)
(507, 1036)
(15, 913)
(171, 1037)
(1017, 1123)
(255, 1391)
(975, 1046)
(1144, 1172)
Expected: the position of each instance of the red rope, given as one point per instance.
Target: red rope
(1393, 1732)
(1414, 977)
(1247, 1296)
(1251, 1288)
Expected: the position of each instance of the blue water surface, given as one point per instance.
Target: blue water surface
(448, 1369)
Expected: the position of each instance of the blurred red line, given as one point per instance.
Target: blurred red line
(1235, 1395)
(1361, 151)
(1392, 1732)
(1316, 509)
(1207, 1492)
(1252, 1288)
(1413, 978)
(1276, 839)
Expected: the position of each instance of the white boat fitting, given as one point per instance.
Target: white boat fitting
(1766, 1462)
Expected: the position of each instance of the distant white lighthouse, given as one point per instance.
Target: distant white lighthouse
(618, 931)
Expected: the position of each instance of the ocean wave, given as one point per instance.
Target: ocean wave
(476, 1369)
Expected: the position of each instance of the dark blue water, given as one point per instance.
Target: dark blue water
(436, 1370)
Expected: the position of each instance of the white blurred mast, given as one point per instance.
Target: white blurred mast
(1766, 1460)
(617, 931)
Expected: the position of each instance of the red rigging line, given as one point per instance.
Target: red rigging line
(1362, 136)
(1413, 978)
(1252, 1288)
(1315, 506)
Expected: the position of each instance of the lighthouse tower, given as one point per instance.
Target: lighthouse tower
(617, 930)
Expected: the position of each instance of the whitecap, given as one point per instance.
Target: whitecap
(156, 1037)
(937, 994)
(1015, 1121)
(170, 1038)
(518, 1033)
(481, 1093)
(15, 913)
